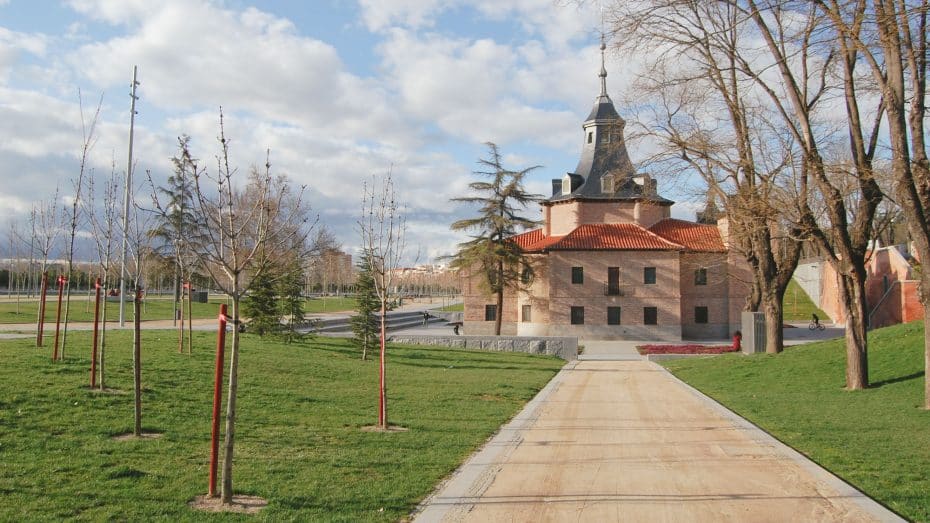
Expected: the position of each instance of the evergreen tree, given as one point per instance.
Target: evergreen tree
(367, 304)
(291, 303)
(500, 262)
(179, 228)
(261, 305)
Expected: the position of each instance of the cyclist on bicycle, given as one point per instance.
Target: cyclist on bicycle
(815, 320)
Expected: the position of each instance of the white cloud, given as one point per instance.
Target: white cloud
(433, 97)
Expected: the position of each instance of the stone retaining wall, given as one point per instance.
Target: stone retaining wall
(563, 347)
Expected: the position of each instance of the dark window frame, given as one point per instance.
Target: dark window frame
(650, 315)
(649, 275)
(701, 314)
(576, 314)
(577, 275)
(526, 313)
(700, 276)
(613, 281)
(490, 312)
(614, 314)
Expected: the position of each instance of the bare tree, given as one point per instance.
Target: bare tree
(104, 226)
(48, 225)
(87, 144)
(792, 70)
(707, 120)
(383, 233)
(889, 38)
(239, 224)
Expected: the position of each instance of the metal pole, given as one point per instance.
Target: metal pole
(217, 401)
(126, 198)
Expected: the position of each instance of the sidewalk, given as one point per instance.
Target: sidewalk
(627, 441)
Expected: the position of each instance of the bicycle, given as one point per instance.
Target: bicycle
(816, 325)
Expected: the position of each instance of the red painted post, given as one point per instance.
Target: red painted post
(217, 401)
(42, 309)
(93, 352)
(61, 288)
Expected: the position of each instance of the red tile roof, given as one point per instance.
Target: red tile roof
(614, 236)
(534, 241)
(668, 234)
(693, 236)
(602, 236)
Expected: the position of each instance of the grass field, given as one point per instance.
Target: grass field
(798, 306)
(455, 307)
(82, 309)
(877, 439)
(299, 439)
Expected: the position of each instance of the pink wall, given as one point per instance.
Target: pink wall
(891, 293)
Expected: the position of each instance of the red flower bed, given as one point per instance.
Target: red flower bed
(684, 349)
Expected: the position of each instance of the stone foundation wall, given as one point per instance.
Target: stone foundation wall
(563, 347)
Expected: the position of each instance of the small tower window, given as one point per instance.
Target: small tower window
(607, 184)
(590, 136)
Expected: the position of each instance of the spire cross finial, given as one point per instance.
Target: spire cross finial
(603, 73)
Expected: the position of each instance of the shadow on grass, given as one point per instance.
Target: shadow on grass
(899, 379)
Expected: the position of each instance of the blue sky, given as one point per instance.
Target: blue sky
(339, 90)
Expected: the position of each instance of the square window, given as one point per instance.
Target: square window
(613, 315)
(649, 275)
(526, 313)
(700, 276)
(577, 315)
(650, 315)
(577, 275)
(700, 315)
(490, 313)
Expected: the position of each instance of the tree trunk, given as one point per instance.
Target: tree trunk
(925, 280)
(103, 332)
(852, 294)
(774, 320)
(64, 334)
(499, 317)
(226, 493)
(382, 386)
(137, 363)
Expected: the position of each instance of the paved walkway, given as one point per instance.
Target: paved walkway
(627, 441)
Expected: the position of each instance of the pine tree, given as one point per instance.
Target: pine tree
(261, 305)
(490, 253)
(365, 323)
(291, 303)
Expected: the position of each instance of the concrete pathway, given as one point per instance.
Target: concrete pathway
(627, 441)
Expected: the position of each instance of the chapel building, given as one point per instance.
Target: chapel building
(609, 262)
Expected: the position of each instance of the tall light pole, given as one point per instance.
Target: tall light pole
(127, 196)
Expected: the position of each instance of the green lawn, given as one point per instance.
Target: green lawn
(877, 439)
(82, 309)
(455, 307)
(798, 306)
(159, 308)
(299, 438)
(329, 304)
